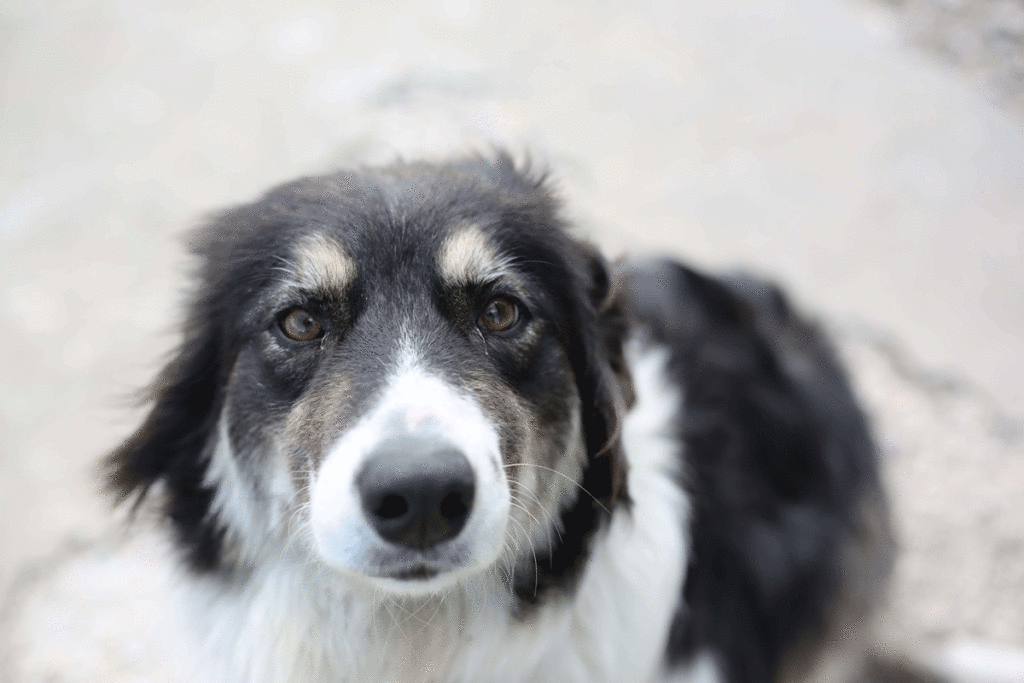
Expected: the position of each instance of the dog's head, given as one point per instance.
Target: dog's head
(414, 371)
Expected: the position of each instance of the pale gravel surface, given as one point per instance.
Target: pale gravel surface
(983, 39)
(955, 464)
(807, 138)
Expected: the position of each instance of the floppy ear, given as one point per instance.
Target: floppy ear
(593, 338)
(603, 380)
(171, 446)
(614, 323)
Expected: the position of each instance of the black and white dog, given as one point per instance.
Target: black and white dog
(416, 431)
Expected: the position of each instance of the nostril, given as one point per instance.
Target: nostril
(392, 507)
(454, 505)
(417, 495)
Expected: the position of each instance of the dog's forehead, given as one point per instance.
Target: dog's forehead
(459, 253)
(467, 255)
(402, 226)
(321, 262)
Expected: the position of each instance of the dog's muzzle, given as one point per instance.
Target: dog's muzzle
(413, 495)
(417, 492)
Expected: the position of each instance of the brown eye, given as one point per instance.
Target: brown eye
(301, 326)
(500, 315)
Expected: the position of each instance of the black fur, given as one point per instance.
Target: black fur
(778, 458)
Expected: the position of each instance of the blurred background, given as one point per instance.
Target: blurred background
(868, 155)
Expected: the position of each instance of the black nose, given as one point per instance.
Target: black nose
(415, 495)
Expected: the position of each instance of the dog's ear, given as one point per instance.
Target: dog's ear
(171, 446)
(178, 425)
(609, 297)
(603, 380)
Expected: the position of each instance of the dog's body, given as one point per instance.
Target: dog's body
(416, 432)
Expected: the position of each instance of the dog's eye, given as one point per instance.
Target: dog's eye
(500, 315)
(299, 325)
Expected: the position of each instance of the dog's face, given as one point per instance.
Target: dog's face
(414, 381)
(410, 371)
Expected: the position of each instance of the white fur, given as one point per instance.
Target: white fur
(291, 620)
(703, 669)
(253, 509)
(413, 396)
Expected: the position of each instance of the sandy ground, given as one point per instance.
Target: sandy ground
(803, 139)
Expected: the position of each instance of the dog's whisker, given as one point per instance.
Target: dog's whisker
(540, 526)
(547, 528)
(440, 603)
(410, 614)
(564, 476)
(533, 551)
(507, 567)
(521, 488)
(554, 524)
(390, 604)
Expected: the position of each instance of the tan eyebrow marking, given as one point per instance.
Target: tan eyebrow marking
(467, 256)
(321, 262)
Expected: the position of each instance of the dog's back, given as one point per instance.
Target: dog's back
(791, 546)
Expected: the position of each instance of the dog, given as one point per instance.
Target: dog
(416, 430)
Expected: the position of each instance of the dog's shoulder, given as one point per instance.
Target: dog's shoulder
(779, 466)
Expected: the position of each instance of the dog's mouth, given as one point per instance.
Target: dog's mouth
(418, 566)
(415, 575)
(420, 572)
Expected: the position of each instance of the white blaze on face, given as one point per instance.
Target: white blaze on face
(415, 401)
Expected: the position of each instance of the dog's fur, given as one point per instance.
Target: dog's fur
(670, 478)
